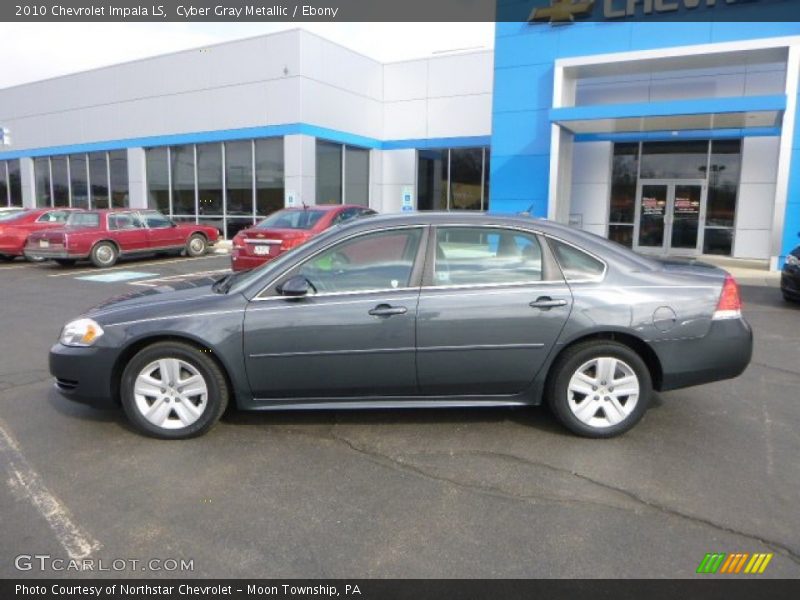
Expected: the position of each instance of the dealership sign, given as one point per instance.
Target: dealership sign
(566, 11)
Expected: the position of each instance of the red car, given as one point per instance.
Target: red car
(15, 228)
(285, 229)
(102, 236)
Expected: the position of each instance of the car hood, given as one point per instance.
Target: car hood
(165, 298)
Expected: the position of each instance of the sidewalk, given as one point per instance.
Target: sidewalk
(747, 272)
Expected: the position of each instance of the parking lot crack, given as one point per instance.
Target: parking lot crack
(409, 467)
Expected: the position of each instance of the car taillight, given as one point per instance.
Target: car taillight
(730, 304)
(290, 243)
(238, 242)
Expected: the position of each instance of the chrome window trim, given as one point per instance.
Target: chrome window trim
(351, 293)
(472, 286)
(259, 298)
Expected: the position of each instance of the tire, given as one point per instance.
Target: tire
(173, 419)
(104, 255)
(6, 257)
(65, 262)
(196, 245)
(609, 413)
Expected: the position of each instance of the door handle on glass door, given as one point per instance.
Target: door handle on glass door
(546, 303)
(386, 310)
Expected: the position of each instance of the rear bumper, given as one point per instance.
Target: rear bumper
(723, 353)
(51, 253)
(242, 262)
(790, 282)
(84, 374)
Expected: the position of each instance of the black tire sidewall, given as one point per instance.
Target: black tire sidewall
(215, 381)
(189, 246)
(102, 265)
(565, 368)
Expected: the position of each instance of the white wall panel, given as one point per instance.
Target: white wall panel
(591, 162)
(399, 167)
(755, 206)
(760, 159)
(405, 80)
(460, 74)
(405, 120)
(460, 116)
(590, 200)
(752, 243)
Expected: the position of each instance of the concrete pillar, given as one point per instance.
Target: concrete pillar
(300, 168)
(28, 180)
(399, 170)
(137, 179)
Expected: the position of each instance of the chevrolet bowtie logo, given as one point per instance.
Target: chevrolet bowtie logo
(562, 11)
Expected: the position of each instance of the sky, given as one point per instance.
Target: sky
(35, 51)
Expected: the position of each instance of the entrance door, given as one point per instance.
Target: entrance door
(669, 216)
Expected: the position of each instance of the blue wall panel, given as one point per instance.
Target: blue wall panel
(519, 46)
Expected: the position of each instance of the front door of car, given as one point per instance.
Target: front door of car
(161, 233)
(353, 334)
(128, 231)
(491, 309)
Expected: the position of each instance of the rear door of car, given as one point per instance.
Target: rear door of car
(492, 306)
(161, 232)
(353, 336)
(128, 231)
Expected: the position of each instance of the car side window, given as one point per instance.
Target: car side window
(345, 215)
(54, 216)
(486, 256)
(156, 220)
(576, 264)
(374, 261)
(121, 221)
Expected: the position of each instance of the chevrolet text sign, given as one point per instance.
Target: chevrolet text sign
(561, 11)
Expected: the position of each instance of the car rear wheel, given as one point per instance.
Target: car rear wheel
(104, 255)
(6, 257)
(65, 262)
(197, 245)
(599, 389)
(172, 390)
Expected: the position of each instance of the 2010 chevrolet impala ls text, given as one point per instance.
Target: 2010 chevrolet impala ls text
(420, 310)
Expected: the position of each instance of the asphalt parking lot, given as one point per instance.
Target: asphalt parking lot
(439, 493)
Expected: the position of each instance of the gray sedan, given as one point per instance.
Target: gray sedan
(420, 310)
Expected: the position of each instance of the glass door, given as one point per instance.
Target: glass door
(669, 217)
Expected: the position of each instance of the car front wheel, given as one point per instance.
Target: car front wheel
(104, 255)
(172, 390)
(599, 389)
(196, 246)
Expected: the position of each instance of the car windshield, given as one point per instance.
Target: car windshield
(292, 219)
(83, 219)
(11, 214)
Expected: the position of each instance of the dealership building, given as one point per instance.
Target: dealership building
(671, 138)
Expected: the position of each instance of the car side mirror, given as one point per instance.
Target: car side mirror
(295, 287)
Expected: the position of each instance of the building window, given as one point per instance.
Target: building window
(453, 179)
(79, 181)
(329, 173)
(157, 174)
(118, 178)
(356, 176)
(674, 160)
(41, 173)
(269, 176)
(233, 182)
(5, 197)
(98, 179)
(60, 175)
(723, 173)
(342, 174)
(624, 175)
(14, 183)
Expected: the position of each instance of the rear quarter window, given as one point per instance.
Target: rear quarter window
(576, 264)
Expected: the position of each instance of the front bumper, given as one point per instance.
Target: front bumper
(723, 353)
(84, 374)
(790, 282)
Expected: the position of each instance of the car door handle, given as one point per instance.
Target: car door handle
(546, 303)
(386, 310)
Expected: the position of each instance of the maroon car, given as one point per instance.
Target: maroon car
(285, 229)
(15, 228)
(102, 236)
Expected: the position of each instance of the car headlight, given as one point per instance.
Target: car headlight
(792, 260)
(82, 333)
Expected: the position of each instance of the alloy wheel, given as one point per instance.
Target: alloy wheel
(603, 392)
(170, 393)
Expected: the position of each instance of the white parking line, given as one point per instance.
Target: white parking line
(22, 478)
(128, 266)
(158, 281)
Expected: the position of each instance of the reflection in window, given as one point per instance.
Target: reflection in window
(674, 160)
(723, 185)
(209, 180)
(41, 171)
(481, 256)
(356, 176)
(269, 175)
(79, 181)
(622, 208)
(329, 173)
(453, 179)
(466, 178)
(432, 176)
(4, 199)
(98, 179)
(118, 172)
(58, 171)
(376, 261)
(14, 182)
(239, 178)
(576, 264)
(157, 169)
(182, 158)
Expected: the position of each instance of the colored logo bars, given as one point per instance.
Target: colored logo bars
(735, 563)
